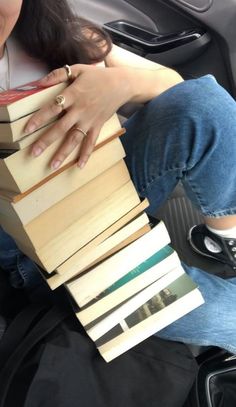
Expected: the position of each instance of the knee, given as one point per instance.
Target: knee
(203, 99)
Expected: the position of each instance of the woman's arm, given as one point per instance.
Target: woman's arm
(95, 94)
(147, 79)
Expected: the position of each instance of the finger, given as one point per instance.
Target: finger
(88, 146)
(51, 110)
(56, 131)
(73, 141)
(61, 75)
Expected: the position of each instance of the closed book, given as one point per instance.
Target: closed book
(25, 141)
(56, 280)
(23, 100)
(59, 217)
(173, 302)
(13, 135)
(84, 229)
(87, 287)
(30, 205)
(96, 329)
(21, 171)
(80, 261)
(133, 282)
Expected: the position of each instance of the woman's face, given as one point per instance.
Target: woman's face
(9, 13)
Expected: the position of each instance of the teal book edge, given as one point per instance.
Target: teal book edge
(141, 268)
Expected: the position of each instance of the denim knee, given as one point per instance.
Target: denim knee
(202, 100)
(187, 133)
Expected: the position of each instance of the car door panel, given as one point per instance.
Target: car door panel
(107, 10)
(214, 53)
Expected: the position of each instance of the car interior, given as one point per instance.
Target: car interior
(196, 37)
(190, 36)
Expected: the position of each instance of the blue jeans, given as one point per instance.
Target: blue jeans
(188, 133)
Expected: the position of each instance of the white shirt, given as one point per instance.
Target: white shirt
(22, 68)
(4, 74)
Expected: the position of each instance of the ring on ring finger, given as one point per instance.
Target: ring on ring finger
(77, 128)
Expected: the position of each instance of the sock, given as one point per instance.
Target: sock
(227, 233)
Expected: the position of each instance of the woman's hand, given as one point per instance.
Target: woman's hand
(90, 100)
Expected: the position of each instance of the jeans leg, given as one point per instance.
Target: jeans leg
(188, 133)
(213, 323)
(22, 271)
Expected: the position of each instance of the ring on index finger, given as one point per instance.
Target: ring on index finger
(68, 72)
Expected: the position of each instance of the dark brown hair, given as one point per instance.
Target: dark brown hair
(48, 30)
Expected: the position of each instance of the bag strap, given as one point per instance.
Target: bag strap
(44, 326)
(17, 330)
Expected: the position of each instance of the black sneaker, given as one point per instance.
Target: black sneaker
(204, 242)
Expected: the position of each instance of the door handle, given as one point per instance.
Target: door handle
(150, 42)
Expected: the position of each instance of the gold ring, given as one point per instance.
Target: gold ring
(60, 101)
(68, 72)
(81, 131)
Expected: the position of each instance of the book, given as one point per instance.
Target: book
(171, 303)
(133, 282)
(92, 224)
(88, 286)
(56, 219)
(23, 100)
(13, 135)
(80, 261)
(30, 205)
(96, 329)
(67, 266)
(34, 171)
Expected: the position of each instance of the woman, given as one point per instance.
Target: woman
(175, 136)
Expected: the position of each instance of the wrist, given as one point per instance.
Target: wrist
(125, 83)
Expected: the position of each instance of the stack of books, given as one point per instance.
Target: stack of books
(88, 229)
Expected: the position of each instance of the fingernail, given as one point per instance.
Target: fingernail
(55, 164)
(37, 151)
(81, 164)
(45, 79)
(30, 128)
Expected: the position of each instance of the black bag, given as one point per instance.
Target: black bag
(47, 360)
(216, 382)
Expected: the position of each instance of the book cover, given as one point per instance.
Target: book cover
(90, 285)
(96, 329)
(23, 100)
(166, 261)
(171, 303)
